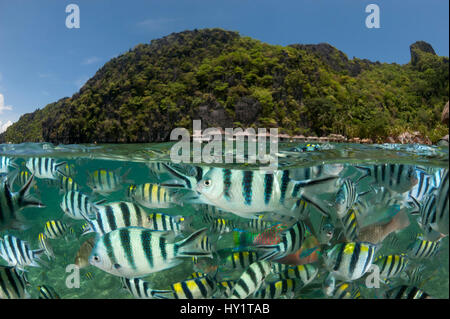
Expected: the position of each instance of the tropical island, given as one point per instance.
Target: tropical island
(228, 80)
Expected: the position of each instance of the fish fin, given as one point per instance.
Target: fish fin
(268, 252)
(192, 245)
(162, 294)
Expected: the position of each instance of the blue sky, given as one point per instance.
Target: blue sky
(42, 61)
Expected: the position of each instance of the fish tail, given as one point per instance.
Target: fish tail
(24, 199)
(197, 244)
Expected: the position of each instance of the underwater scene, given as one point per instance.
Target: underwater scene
(331, 221)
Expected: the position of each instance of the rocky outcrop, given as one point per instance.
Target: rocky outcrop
(409, 138)
(417, 47)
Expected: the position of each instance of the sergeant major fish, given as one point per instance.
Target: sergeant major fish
(135, 252)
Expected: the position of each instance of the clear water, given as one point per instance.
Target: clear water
(136, 157)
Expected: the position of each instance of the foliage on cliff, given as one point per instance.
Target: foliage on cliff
(232, 81)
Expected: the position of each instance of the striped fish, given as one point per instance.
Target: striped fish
(209, 212)
(44, 167)
(68, 169)
(421, 248)
(106, 181)
(195, 288)
(247, 193)
(196, 274)
(257, 225)
(305, 273)
(47, 292)
(45, 245)
(350, 224)
(76, 204)
(12, 284)
(55, 229)
(117, 215)
(164, 222)
(89, 275)
(398, 178)
(225, 288)
(17, 252)
(5, 162)
(189, 176)
(136, 252)
(222, 226)
(425, 185)
(346, 291)
(441, 224)
(67, 184)
(350, 261)
(240, 260)
(22, 178)
(277, 289)
(251, 279)
(140, 289)
(391, 266)
(152, 195)
(291, 241)
(318, 171)
(278, 268)
(407, 292)
(11, 204)
(346, 197)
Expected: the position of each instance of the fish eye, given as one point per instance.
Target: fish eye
(116, 266)
(207, 182)
(96, 258)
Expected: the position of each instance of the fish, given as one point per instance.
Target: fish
(326, 231)
(247, 193)
(257, 225)
(421, 248)
(441, 223)
(89, 275)
(345, 291)
(12, 203)
(104, 181)
(406, 292)
(82, 257)
(209, 212)
(17, 252)
(152, 195)
(240, 260)
(290, 241)
(225, 288)
(305, 273)
(222, 226)
(398, 178)
(67, 184)
(346, 197)
(140, 289)
(135, 252)
(392, 265)
(6, 162)
(195, 288)
(350, 224)
(116, 215)
(13, 284)
(56, 229)
(196, 274)
(426, 184)
(44, 167)
(47, 292)
(277, 289)
(376, 233)
(251, 279)
(350, 261)
(45, 245)
(77, 205)
(164, 222)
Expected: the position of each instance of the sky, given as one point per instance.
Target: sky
(41, 60)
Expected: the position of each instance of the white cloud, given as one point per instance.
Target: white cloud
(90, 60)
(3, 127)
(4, 107)
(157, 23)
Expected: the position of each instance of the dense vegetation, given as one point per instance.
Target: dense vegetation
(232, 81)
